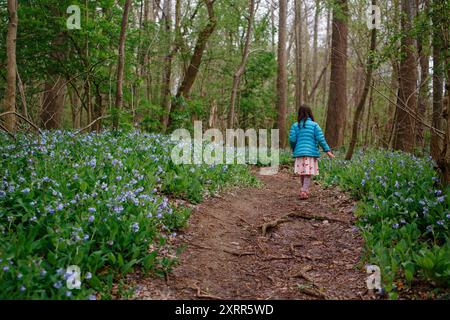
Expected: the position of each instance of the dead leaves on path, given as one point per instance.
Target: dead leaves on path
(228, 258)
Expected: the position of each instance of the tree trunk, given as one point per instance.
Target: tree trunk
(98, 108)
(166, 99)
(282, 73)
(391, 107)
(23, 97)
(53, 103)
(369, 109)
(11, 67)
(423, 44)
(149, 13)
(337, 100)
(149, 16)
(121, 64)
(241, 68)
(407, 97)
(315, 55)
(76, 108)
(326, 59)
(360, 107)
(298, 55)
(306, 56)
(438, 80)
(196, 58)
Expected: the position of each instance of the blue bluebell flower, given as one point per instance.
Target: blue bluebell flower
(135, 227)
(26, 190)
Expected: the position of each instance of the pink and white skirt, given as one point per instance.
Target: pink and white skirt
(306, 166)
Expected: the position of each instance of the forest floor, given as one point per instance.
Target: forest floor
(312, 253)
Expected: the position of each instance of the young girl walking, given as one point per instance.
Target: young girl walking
(305, 137)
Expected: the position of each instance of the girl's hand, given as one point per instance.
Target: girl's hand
(330, 154)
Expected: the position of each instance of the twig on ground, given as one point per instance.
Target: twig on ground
(238, 253)
(200, 246)
(242, 219)
(312, 292)
(203, 295)
(279, 258)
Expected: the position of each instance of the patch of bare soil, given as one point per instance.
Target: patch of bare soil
(266, 243)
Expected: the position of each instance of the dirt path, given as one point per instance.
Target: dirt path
(228, 257)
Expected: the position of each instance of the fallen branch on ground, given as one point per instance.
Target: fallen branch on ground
(7, 131)
(23, 118)
(91, 124)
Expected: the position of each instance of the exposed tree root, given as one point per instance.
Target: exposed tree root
(272, 224)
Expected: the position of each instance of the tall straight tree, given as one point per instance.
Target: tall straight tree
(407, 96)
(167, 72)
(337, 99)
(441, 72)
(121, 63)
(315, 44)
(241, 68)
(423, 46)
(282, 73)
(298, 54)
(438, 77)
(55, 87)
(11, 67)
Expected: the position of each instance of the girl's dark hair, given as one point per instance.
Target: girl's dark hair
(304, 112)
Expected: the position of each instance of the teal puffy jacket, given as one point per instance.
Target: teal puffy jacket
(305, 141)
